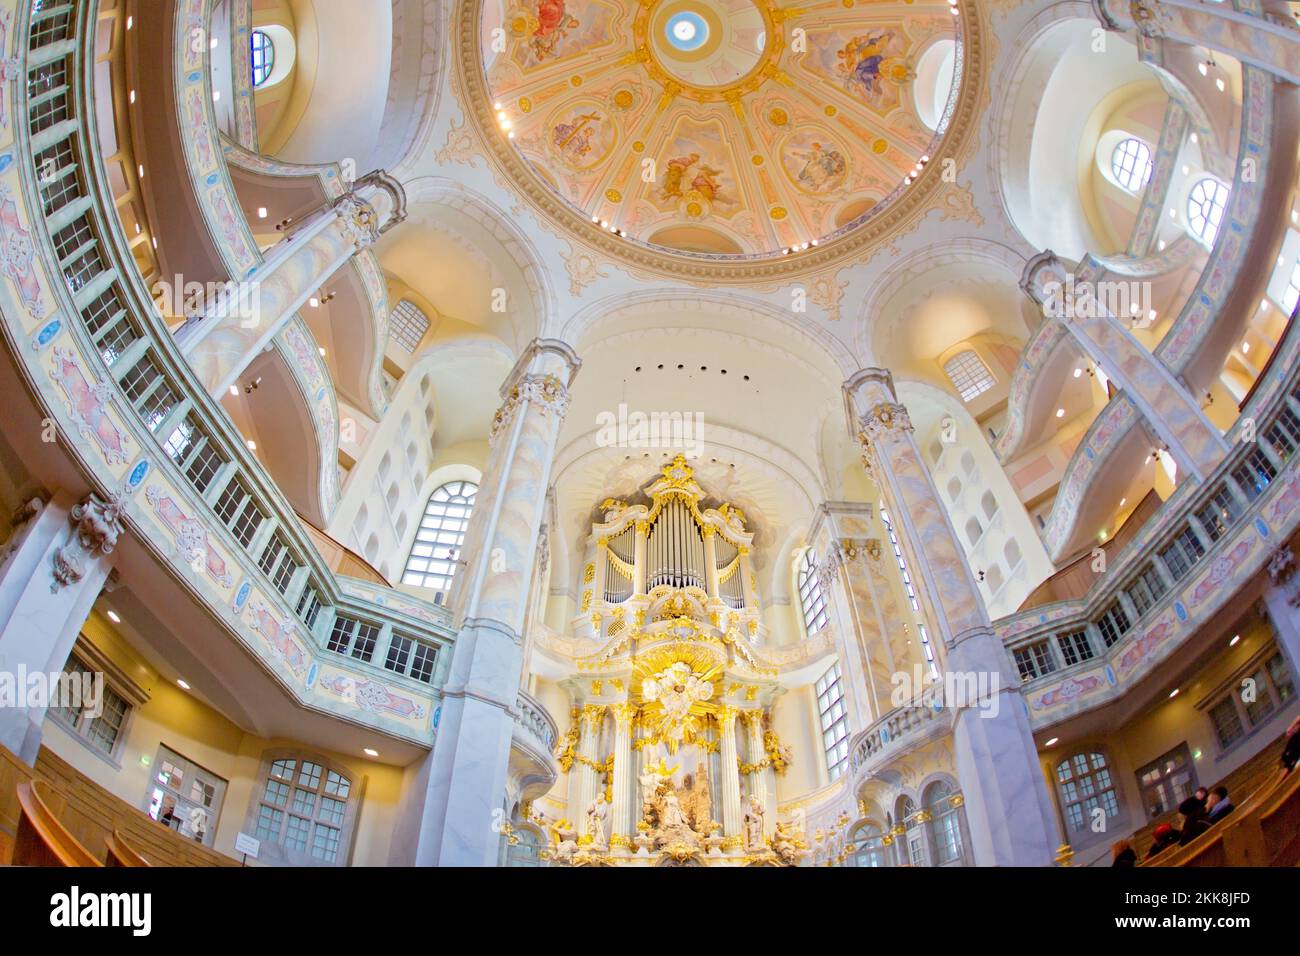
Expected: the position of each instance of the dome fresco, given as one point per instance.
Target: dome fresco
(719, 128)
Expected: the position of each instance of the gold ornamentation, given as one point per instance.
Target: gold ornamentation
(595, 688)
(588, 575)
(586, 601)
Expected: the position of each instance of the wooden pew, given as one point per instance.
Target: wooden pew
(42, 840)
(120, 853)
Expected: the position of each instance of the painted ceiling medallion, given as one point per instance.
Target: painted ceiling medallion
(713, 137)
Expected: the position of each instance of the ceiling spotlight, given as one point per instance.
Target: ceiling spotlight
(1235, 639)
(1060, 413)
(1123, 502)
(1173, 693)
(370, 752)
(1052, 742)
(261, 212)
(112, 616)
(181, 684)
(252, 445)
(1078, 372)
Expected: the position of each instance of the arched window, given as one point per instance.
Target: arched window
(263, 59)
(303, 811)
(834, 720)
(1205, 207)
(1085, 785)
(436, 549)
(406, 327)
(1131, 163)
(969, 375)
(868, 846)
(911, 590)
(945, 823)
(811, 598)
(913, 848)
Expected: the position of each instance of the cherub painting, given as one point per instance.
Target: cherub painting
(689, 174)
(819, 169)
(553, 24)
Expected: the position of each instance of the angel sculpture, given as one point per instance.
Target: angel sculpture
(676, 689)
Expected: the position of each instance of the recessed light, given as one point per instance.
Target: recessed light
(252, 445)
(1123, 502)
(313, 302)
(112, 616)
(1245, 347)
(234, 390)
(1078, 372)
(1173, 693)
(1235, 639)
(131, 96)
(371, 752)
(261, 212)
(322, 352)
(1060, 413)
(181, 684)
(1052, 742)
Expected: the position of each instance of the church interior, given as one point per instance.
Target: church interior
(639, 433)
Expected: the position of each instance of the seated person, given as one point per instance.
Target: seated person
(1220, 805)
(1165, 837)
(1194, 820)
(1123, 854)
(1291, 753)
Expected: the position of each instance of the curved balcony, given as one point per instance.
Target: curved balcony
(100, 364)
(533, 767)
(1180, 571)
(895, 734)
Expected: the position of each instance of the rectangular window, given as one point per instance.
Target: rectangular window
(185, 796)
(1075, 647)
(1284, 434)
(1182, 553)
(1114, 624)
(1227, 722)
(238, 511)
(1034, 660)
(110, 325)
(308, 606)
(399, 651)
(834, 721)
(407, 325)
(1146, 590)
(1219, 513)
(103, 731)
(1254, 474)
(1167, 782)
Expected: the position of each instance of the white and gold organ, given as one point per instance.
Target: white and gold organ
(670, 755)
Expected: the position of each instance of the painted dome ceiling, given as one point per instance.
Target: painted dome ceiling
(723, 129)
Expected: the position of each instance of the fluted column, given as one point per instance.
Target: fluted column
(593, 716)
(51, 572)
(465, 782)
(621, 813)
(1010, 813)
(730, 772)
(228, 330)
(762, 782)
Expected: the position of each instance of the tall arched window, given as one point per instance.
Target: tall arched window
(303, 811)
(263, 60)
(869, 846)
(811, 598)
(1085, 785)
(944, 814)
(1205, 207)
(969, 375)
(1131, 163)
(436, 549)
(911, 590)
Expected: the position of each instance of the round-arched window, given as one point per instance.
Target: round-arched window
(1206, 204)
(435, 552)
(811, 597)
(1131, 163)
(263, 58)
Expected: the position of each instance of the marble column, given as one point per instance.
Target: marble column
(1175, 415)
(467, 773)
(1010, 813)
(731, 817)
(622, 829)
(226, 331)
(51, 572)
(593, 716)
(762, 782)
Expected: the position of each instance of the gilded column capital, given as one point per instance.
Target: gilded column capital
(727, 717)
(544, 392)
(623, 715)
(752, 718)
(642, 526)
(592, 714)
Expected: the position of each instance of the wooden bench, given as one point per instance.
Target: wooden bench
(120, 852)
(1264, 831)
(41, 839)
